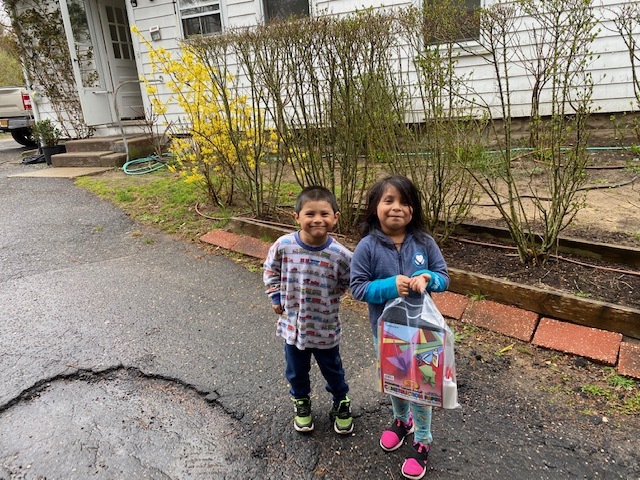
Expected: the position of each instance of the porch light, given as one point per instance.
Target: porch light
(134, 3)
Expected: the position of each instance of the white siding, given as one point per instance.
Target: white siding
(613, 91)
(611, 70)
(341, 7)
(243, 13)
(164, 14)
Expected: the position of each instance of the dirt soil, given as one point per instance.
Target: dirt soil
(610, 215)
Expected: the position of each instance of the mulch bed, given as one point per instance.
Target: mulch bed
(591, 282)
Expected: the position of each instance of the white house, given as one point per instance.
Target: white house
(115, 96)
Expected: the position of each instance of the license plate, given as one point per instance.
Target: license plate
(4, 123)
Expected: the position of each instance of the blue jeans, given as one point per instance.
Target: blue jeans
(299, 366)
(402, 408)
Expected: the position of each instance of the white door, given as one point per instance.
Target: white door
(93, 88)
(121, 62)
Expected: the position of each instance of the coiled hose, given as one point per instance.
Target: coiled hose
(149, 164)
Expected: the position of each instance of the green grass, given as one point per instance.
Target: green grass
(627, 404)
(123, 196)
(582, 294)
(631, 405)
(620, 392)
(467, 330)
(288, 193)
(622, 382)
(477, 296)
(597, 391)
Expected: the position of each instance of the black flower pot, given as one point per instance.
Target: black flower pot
(48, 151)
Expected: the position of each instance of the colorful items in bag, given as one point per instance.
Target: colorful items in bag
(416, 353)
(411, 362)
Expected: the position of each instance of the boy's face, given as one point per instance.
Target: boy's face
(316, 220)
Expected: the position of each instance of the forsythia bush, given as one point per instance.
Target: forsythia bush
(227, 146)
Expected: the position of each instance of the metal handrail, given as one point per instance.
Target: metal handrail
(117, 110)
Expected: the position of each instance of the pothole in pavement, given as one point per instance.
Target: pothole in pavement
(117, 425)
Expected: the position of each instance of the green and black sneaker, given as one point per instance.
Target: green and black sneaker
(303, 421)
(341, 416)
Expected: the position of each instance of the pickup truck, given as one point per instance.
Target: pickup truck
(16, 115)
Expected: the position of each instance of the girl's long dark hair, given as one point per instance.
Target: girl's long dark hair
(408, 193)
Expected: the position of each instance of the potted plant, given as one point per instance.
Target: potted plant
(48, 136)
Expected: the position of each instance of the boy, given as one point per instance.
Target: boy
(306, 273)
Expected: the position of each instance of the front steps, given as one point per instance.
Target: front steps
(102, 152)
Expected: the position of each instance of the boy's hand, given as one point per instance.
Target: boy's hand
(419, 282)
(402, 284)
(277, 309)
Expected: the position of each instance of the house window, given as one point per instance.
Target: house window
(119, 32)
(200, 17)
(470, 21)
(283, 9)
(463, 24)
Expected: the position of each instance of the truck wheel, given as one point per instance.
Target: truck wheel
(24, 137)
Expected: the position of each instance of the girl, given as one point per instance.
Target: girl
(397, 257)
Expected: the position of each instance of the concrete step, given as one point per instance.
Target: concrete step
(100, 158)
(103, 151)
(91, 144)
(139, 145)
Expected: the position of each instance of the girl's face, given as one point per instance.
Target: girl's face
(393, 212)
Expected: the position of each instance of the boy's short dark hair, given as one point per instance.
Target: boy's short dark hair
(315, 194)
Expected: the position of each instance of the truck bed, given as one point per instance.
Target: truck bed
(11, 102)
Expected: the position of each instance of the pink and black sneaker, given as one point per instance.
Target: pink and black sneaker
(415, 466)
(393, 438)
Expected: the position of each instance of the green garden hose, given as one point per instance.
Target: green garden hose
(143, 165)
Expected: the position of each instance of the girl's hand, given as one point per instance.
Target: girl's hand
(419, 283)
(277, 309)
(402, 284)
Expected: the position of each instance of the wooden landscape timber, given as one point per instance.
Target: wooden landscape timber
(548, 303)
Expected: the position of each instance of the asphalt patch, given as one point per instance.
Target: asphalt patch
(119, 425)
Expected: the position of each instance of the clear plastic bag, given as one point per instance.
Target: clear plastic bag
(416, 353)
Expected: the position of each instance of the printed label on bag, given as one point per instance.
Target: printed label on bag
(411, 363)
